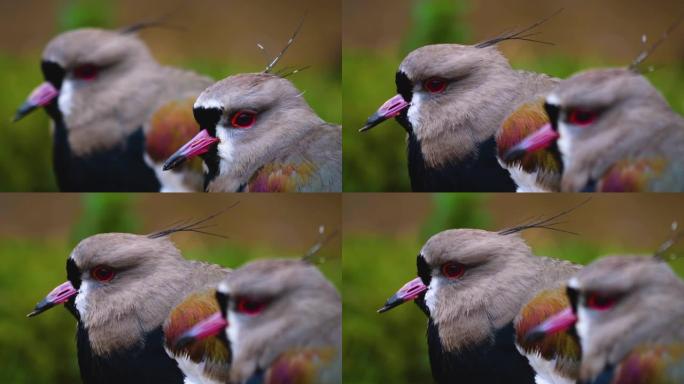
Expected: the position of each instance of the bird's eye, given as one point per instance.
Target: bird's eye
(581, 117)
(86, 72)
(249, 306)
(102, 273)
(243, 119)
(453, 270)
(599, 302)
(435, 85)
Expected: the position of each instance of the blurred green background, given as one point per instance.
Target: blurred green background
(377, 35)
(38, 231)
(213, 37)
(383, 233)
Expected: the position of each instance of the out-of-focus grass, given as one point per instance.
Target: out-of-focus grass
(392, 347)
(376, 160)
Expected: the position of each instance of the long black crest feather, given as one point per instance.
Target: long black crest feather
(276, 59)
(519, 35)
(196, 226)
(158, 22)
(544, 222)
(634, 66)
(675, 236)
(323, 239)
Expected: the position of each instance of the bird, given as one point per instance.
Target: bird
(258, 134)
(130, 292)
(478, 287)
(629, 315)
(282, 320)
(597, 119)
(452, 100)
(116, 113)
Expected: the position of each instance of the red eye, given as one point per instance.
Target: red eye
(453, 270)
(85, 72)
(581, 117)
(435, 85)
(102, 273)
(249, 306)
(243, 119)
(599, 302)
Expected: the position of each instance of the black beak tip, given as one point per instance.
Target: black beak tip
(40, 308)
(391, 303)
(372, 121)
(22, 111)
(173, 162)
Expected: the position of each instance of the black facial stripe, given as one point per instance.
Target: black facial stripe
(573, 296)
(553, 112)
(52, 72)
(404, 86)
(73, 273)
(208, 118)
(222, 300)
(423, 270)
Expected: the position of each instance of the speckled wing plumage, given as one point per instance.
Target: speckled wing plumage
(536, 171)
(304, 366)
(171, 125)
(208, 358)
(646, 174)
(649, 364)
(562, 348)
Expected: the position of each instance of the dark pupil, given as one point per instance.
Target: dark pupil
(251, 305)
(434, 84)
(243, 119)
(103, 273)
(583, 116)
(453, 270)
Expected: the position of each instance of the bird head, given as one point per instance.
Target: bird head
(471, 282)
(440, 87)
(88, 74)
(617, 302)
(276, 307)
(126, 286)
(246, 120)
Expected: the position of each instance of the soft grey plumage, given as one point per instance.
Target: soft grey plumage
(284, 323)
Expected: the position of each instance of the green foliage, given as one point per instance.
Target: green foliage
(105, 212)
(436, 22)
(455, 210)
(86, 13)
(375, 160)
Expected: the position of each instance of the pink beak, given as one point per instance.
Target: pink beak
(391, 108)
(554, 324)
(409, 292)
(211, 326)
(196, 146)
(540, 139)
(59, 295)
(40, 97)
